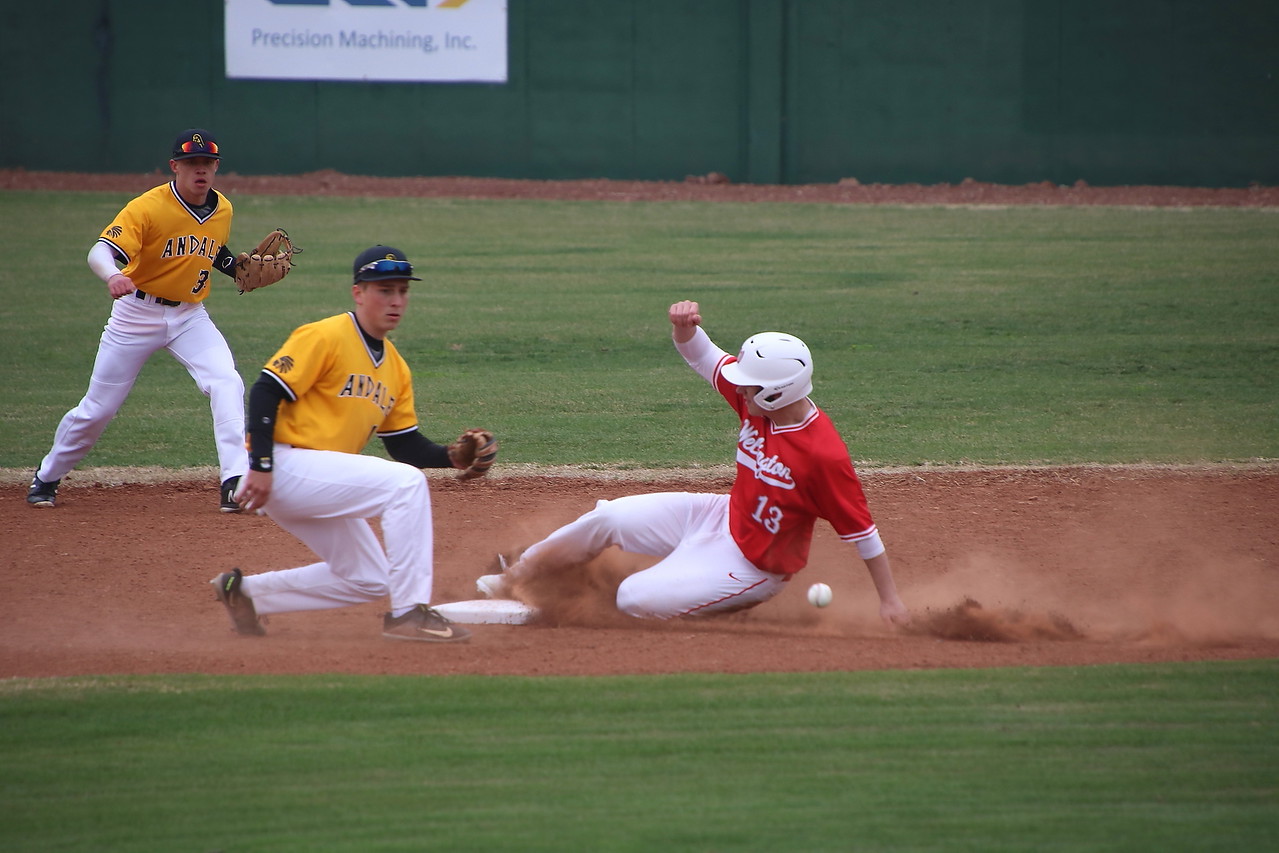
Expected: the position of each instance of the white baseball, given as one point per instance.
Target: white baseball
(820, 595)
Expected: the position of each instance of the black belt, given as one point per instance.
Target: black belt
(142, 294)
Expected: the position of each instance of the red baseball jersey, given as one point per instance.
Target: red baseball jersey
(787, 478)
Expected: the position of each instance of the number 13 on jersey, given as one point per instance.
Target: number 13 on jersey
(769, 516)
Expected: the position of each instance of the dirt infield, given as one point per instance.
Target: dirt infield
(1001, 567)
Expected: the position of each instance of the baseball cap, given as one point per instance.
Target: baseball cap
(195, 142)
(382, 263)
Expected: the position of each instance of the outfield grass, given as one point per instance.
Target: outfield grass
(1051, 335)
(1167, 757)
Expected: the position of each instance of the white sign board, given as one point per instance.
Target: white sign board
(453, 41)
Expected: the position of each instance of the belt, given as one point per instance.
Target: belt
(142, 294)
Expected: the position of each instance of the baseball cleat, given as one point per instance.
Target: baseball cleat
(244, 618)
(42, 493)
(229, 485)
(423, 624)
(493, 586)
(496, 586)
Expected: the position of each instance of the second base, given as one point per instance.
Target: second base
(486, 611)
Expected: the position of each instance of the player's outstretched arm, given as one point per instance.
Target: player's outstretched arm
(698, 351)
(891, 608)
(685, 317)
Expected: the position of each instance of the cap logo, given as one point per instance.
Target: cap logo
(197, 145)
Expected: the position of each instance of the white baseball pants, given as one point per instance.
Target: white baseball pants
(701, 570)
(324, 497)
(136, 329)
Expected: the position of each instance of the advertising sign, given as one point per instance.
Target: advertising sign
(451, 41)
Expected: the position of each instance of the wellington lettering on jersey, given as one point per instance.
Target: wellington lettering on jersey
(177, 247)
(368, 388)
(767, 468)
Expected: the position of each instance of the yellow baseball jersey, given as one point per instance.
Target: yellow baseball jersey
(167, 245)
(339, 393)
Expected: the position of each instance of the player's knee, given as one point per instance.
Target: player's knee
(409, 479)
(603, 521)
(231, 386)
(94, 411)
(369, 589)
(630, 603)
(102, 402)
(604, 509)
(404, 490)
(635, 599)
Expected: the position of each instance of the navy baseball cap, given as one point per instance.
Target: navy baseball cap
(195, 142)
(382, 263)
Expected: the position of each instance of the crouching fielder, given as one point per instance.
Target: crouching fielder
(721, 553)
(332, 386)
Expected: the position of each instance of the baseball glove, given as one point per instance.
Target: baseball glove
(267, 264)
(473, 452)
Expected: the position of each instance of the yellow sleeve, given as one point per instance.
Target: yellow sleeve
(124, 234)
(301, 360)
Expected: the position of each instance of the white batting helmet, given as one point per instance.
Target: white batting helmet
(779, 363)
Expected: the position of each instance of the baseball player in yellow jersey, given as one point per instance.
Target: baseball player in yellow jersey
(334, 385)
(170, 240)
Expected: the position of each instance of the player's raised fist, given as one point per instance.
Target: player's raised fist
(685, 314)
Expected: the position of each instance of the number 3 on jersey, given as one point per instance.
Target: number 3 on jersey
(770, 517)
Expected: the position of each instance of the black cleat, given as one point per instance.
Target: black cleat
(422, 623)
(244, 618)
(229, 485)
(42, 493)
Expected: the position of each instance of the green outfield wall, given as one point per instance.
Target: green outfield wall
(766, 91)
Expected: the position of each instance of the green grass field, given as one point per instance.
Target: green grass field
(999, 336)
(1168, 757)
(1053, 335)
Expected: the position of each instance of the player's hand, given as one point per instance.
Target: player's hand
(893, 612)
(255, 490)
(120, 285)
(685, 317)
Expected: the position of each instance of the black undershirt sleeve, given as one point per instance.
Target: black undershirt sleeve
(413, 448)
(225, 262)
(264, 403)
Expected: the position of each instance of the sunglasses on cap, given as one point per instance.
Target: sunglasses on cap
(199, 147)
(388, 266)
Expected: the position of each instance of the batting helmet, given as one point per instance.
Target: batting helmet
(779, 363)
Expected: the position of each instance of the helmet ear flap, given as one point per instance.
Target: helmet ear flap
(770, 401)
